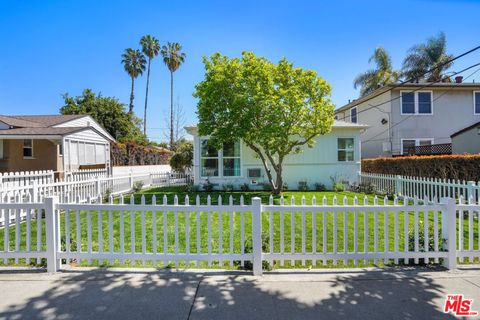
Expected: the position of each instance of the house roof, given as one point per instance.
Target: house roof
(465, 129)
(48, 120)
(193, 130)
(412, 86)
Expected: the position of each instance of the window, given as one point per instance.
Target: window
(28, 148)
(411, 143)
(353, 115)
(231, 159)
(60, 149)
(209, 160)
(419, 102)
(345, 149)
(476, 102)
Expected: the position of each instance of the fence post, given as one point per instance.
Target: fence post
(34, 191)
(257, 235)
(130, 180)
(51, 230)
(471, 191)
(449, 232)
(99, 186)
(398, 185)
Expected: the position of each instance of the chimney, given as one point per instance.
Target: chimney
(458, 79)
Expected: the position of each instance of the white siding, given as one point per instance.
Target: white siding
(87, 135)
(84, 122)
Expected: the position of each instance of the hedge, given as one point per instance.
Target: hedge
(462, 167)
(132, 154)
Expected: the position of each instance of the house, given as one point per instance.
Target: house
(467, 140)
(335, 156)
(52, 142)
(413, 116)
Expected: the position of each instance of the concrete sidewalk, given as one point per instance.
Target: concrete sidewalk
(160, 294)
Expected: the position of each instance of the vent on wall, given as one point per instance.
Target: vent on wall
(254, 173)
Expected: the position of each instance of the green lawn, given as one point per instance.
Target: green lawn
(134, 238)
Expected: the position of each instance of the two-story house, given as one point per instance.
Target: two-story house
(410, 115)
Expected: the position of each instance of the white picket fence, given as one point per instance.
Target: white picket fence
(431, 188)
(10, 180)
(85, 174)
(231, 233)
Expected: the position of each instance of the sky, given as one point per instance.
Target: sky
(49, 48)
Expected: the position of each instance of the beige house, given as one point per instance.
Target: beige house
(52, 142)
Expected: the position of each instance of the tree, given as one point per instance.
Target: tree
(173, 59)
(151, 48)
(425, 56)
(275, 109)
(134, 64)
(382, 75)
(108, 112)
(182, 159)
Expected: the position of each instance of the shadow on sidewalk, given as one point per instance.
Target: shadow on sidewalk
(169, 295)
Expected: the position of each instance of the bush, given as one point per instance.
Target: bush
(228, 187)
(266, 186)
(107, 194)
(421, 238)
(182, 159)
(245, 187)
(338, 187)
(302, 185)
(248, 265)
(208, 186)
(133, 154)
(459, 167)
(320, 186)
(137, 186)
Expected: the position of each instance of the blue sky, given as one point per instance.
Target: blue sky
(52, 47)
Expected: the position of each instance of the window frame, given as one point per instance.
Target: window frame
(220, 159)
(31, 148)
(346, 150)
(356, 115)
(417, 143)
(475, 103)
(416, 103)
(239, 157)
(203, 157)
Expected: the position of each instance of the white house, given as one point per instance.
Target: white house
(336, 155)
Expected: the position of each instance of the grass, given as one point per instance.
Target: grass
(220, 236)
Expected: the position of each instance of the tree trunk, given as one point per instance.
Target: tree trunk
(146, 99)
(277, 186)
(171, 110)
(130, 108)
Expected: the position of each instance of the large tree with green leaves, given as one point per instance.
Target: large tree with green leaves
(134, 64)
(427, 56)
(182, 159)
(382, 75)
(151, 48)
(274, 108)
(173, 57)
(108, 112)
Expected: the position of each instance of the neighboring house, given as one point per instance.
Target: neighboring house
(335, 156)
(52, 142)
(412, 115)
(467, 140)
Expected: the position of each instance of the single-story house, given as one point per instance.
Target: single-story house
(335, 156)
(53, 142)
(466, 140)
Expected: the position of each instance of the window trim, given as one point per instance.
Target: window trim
(220, 162)
(239, 158)
(475, 102)
(356, 115)
(346, 150)
(415, 103)
(417, 142)
(23, 150)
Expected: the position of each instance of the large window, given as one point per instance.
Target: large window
(353, 115)
(476, 102)
(345, 149)
(411, 143)
(224, 162)
(419, 102)
(28, 148)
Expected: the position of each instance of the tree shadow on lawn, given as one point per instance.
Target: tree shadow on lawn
(101, 294)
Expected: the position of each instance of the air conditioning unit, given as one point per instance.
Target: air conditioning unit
(254, 173)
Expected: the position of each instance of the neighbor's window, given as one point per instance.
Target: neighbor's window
(231, 159)
(28, 148)
(476, 101)
(416, 102)
(60, 149)
(411, 143)
(353, 115)
(209, 160)
(345, 149)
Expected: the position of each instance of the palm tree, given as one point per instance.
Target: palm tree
(375, 78)
(173, 59)
(425, 56)
(151, 48)
(134, 64)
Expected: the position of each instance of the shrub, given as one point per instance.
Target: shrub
(338, 187)
(137, 186)
(107, 194)
(266, 186)
(320, 186)
(245, 187)
(228, 187)
(421, 238)
(302, 185)
(248, 265)
(208, 186)
(459, 167)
